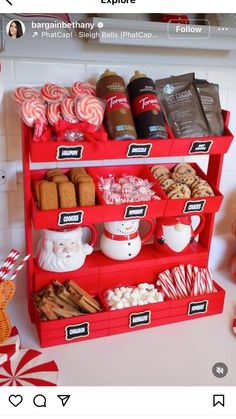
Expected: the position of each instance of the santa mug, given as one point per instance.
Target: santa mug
(63, 250)
(175, 234)
(121, 240)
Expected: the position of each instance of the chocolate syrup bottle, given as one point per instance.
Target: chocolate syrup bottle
(145, 106)
(118, 116)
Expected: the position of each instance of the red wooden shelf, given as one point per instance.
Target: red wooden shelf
(100, 273)
(126, 149)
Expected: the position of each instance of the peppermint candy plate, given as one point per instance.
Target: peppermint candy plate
(10, 347)
(29, 368)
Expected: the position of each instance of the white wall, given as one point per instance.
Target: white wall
(36, 63)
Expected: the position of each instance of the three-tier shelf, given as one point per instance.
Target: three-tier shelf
(99, 272)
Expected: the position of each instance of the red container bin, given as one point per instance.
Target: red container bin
(142, 209)
(193, 206)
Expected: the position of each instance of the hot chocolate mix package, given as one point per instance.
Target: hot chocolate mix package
(182, 106)
(209, 95)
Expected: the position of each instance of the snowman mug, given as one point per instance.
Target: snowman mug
(121, 240)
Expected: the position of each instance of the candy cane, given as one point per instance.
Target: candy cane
(166, 277)
(203, 282)
(189, 280)
(209, 280)
(19, 267)
(9, 262)
(165, 290)
(196, 281)
(179, 283)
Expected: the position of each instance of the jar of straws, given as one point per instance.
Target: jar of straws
(7, 290)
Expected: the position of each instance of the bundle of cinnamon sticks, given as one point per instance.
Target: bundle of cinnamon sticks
(61, 301)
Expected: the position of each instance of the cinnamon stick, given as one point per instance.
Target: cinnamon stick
(87, 297)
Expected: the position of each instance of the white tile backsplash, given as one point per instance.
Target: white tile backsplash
(4, 219)
(88, 65)
(39, 73)
(13, 147)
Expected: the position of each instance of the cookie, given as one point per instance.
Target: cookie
(82, 178)
(167, 183)
(36, 185)
(162, 178)
(76, 170)
(60, 178)
(86, 194)
(53, 172)
(186, 179)
(67, 198)
(183, 169)
(197, 183)
(178, 188)
(203, 192)
(177, 194)
(48, 196)
(159, 170)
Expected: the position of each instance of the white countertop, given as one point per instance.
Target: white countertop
(176, 354)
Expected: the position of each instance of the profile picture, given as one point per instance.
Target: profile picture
(15, 29)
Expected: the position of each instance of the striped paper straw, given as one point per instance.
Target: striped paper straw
(19, 267)
(9, 263)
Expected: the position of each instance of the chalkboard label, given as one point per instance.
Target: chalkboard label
(139, 150)
(139, 319)
(198, 307)
(136, 211)
(200, 147)
(70, 218)
(77, 331)
(194, 206)
(69, 152)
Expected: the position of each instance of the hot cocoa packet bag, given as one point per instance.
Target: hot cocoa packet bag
(210, 99)
(182, 106)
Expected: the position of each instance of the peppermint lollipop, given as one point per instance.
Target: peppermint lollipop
(34, 114)
(53, 93)
(68, 110)
(81, 88)
(90, 109)
(24, 93)
(54, 113)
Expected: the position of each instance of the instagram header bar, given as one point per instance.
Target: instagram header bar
(115, 6)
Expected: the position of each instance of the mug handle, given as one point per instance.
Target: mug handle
(200, 226)
(94, 234)
(150, 232)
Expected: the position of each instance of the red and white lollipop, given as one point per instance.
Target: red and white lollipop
(54, 113)
(52, 93)
(68, 110)
(81, 88)
(90, 109)
(34, 114)
(25, 93)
